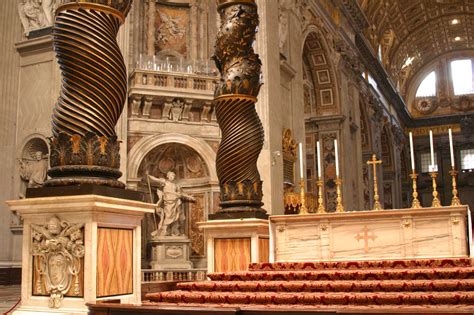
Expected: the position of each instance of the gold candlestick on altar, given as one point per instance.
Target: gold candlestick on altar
(374, 162)
(435, 202)
(455, 201)
(321, 208)
(303, 208)
(415, 202)
(339, 206)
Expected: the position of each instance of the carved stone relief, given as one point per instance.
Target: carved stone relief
(37, 14)
(329, 170)
(58, 248)
(171, 25)
(195, 235)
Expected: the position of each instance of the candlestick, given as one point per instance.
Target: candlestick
(300, 149)
(303, 208)
(455, 201)
(451, 150)
(339, 206)
(431, 148)
(435, 202)
(318, 151)
(336, 157)
(321, 208)
(415, 202)
(412, 153)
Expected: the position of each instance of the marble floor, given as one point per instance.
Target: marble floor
(9, 296)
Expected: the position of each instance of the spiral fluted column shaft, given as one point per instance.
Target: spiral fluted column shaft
(84, 147)
(235, 97)
(94, 84)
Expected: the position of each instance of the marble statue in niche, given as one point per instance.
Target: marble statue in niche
(34, 171)
(169, 206)
(37, 14)
(57, 248)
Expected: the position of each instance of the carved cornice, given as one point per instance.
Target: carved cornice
(354, 14)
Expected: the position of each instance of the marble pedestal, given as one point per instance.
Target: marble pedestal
(170, 253)
(233, 244)
(372, 235)
(109, 264)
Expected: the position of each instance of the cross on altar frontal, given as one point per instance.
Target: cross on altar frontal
(374, 162)
(366, 237)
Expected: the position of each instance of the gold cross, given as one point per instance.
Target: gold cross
(374, 162)
(366, 238)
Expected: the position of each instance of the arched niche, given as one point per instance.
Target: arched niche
(178, 158)
(193, 162)
(33, 162)
(146, 144)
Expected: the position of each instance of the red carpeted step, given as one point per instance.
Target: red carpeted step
(374, 274)
(277, 298)
(367, 264)
(330, 286)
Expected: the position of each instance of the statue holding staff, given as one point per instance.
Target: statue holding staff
(169, 206)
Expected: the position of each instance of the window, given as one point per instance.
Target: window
(427, 87)
(426, 162)
(461, 73)
(372, 82)
(467, 159)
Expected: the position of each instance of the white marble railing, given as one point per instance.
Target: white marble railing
(154, 79)
(153, 275)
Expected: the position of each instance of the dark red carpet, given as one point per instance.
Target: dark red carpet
(406, 285)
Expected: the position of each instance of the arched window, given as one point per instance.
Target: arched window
(461, 73)
(427, 87)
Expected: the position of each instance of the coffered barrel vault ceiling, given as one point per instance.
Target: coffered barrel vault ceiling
(419, 29)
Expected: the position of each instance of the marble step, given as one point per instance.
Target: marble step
(364, 264)
(330, 286)
(370, 274)
(310, 298)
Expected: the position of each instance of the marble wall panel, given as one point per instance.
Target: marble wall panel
(114, 261)
(366, 239)
(231, 254)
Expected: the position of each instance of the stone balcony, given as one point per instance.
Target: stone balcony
(171, 95)
(163, 101)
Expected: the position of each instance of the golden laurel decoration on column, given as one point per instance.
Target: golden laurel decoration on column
(58, 247)
(235, 97)
(84, 146)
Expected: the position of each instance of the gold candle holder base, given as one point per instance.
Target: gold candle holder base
(435, 203)
(303, 208)
(339, 206)
(455, 201)
(415, 202)
(321, 208)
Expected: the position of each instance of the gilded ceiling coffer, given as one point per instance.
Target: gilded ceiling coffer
(235, 97)
(84, 146)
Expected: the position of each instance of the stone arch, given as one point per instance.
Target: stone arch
(32, 144)
(146, 144)
(317, 58)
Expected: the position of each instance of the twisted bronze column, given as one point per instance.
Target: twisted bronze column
(235, 97)
(84, 146)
